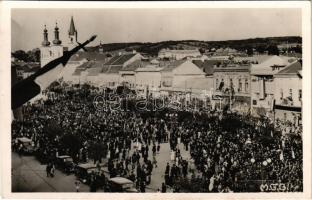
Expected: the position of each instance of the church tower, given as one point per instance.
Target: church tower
(57, 48)
(48, 52)
(72, 34)
(45, 52)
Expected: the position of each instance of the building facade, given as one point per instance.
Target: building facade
(263, 86)
(232, 85)
(288, 93)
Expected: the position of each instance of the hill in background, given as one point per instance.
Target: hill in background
(259, 44)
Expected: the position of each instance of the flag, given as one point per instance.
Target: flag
(282, 156)
(293, 153)
(30, 87)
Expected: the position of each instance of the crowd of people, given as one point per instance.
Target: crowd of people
(228, 152)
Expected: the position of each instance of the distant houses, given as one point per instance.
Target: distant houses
(257, 84)
(178, 54)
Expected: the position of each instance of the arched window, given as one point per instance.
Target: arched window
(246, 85)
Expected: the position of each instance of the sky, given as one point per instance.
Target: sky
(153, 25)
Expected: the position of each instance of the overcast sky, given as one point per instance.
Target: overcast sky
(153, 25)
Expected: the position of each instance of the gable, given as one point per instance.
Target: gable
(188, 68)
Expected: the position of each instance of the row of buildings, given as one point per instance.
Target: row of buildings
(264, 85)
(272, 87)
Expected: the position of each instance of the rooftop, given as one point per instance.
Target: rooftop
(207, 65)
(119, 59)
(267, 67)
(88, 56)
(171, 65)
(292, 68)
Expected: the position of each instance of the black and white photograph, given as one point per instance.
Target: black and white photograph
(158, 100)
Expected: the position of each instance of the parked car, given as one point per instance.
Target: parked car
(27, 145)
(86, 170)
(65, 163)
(121, 184)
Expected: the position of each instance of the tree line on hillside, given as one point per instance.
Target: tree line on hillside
(259, 44)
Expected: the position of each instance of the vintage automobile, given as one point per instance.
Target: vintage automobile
(27, 145)
(121, 184)
(84, 172)
(65, 163)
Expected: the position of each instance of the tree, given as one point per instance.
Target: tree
(273, 50)
(260, 49)
(202, 50)
(249, 51)
(21, 55)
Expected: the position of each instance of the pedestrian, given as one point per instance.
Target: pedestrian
(154, 161)
(52, 170)
(158, 147)
(48, 169)
(77, 185)
(154, 149)
(163, 188)
(142, 186)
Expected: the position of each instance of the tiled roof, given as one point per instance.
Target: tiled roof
(292, 68)
(169, 66)
(120, 59)
(96, 56)
(135, 65)
(207, 65)
(265, 68)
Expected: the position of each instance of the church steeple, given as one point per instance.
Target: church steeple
(72, 32)
(45, 42)
(56, 40)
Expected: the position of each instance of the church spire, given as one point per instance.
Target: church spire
(45, 37)
(56, 40)
(72, 32)
(72, 29)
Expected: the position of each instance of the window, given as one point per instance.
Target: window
(217, 84)
(240, 85)
(300, 94)
(281, 93)
(290, 92)
(246, 85)
(254, 102)
(285, 116)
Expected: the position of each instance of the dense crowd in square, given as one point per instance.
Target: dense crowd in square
(229, 152)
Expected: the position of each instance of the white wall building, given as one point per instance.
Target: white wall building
(262, 83)
(178, 54)
(288, 93)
